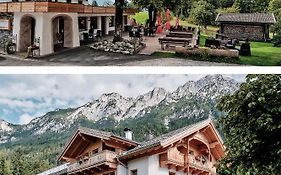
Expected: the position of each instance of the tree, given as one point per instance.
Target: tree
(252, 6)
(119, 5)
(203, 13)
(95, 3)
(252, 127)
(153, 6)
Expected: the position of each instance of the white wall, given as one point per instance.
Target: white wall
(141, 164)
(154, 167)
(148, 166)
(43, 29)
(121, 170)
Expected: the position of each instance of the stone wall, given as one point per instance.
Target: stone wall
(243, 32)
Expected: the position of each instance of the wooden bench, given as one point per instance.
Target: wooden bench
(175, 41)
(180, 34)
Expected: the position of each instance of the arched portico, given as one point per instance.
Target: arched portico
(62, 32)
(27, 32)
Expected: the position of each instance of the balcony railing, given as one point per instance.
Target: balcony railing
(174, 156)
(96, 159)
(198, 163)
(57, 7)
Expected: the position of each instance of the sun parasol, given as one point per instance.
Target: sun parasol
(159, 23)
(177, 22)
(168, 19)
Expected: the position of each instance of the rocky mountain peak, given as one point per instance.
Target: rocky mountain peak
(5, 126)
(115, 106)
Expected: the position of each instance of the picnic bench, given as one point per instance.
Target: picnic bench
(176, 38)
(175, 41)
(180, 34)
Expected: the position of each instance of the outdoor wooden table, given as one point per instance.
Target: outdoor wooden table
(176, 41)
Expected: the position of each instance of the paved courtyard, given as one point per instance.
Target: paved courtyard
(84, 56)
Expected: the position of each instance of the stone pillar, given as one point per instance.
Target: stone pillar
(99, 22)
(75, 30)
(107, 25)
(16, 28)
(88, 20)
(44, 31)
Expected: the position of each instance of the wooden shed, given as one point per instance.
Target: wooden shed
(242, 26)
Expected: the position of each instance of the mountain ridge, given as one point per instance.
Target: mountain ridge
(118, 109)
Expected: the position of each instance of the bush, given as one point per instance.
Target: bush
(207, 54)
(277, 40)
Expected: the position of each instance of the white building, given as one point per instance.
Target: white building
(52, 25)
(194, 149)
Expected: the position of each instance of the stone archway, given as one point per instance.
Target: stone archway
(27, 32)
(62, 28)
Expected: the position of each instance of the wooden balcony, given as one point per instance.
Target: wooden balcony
(172, 158)
(57, 7)
(198, 164)
(104, 159)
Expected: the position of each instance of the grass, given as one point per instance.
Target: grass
(263, 54)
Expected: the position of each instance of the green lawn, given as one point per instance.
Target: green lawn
(263, 54)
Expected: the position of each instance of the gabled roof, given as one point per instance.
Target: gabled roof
(261, 18)
(166, 139)
(93, 133)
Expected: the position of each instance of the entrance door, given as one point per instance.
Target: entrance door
(27, 32)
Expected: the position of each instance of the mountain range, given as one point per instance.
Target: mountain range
(156, 111)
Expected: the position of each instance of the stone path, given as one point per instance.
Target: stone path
(84, 56)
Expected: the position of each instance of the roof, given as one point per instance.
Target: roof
(261, 18)
(97, 134)
(165, 139)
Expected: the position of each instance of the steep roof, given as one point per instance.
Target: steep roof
(261, 18)
(168, 138)
(93, 133)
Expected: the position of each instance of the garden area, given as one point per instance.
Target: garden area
(202, 15)
(262, 53)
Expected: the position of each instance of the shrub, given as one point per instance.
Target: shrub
(207, 54)
(277, 40)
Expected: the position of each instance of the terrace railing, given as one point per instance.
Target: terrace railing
(57, 7)
(96, 159)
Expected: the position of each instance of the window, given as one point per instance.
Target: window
(111, 21)
(94, 22)
(82, 23)
(134, 172)
(68, 1)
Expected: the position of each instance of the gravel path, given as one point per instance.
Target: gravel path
(84, 56)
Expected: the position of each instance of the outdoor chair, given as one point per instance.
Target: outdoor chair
(31, 50)
(245, 49)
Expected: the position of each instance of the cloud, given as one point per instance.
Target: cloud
(26, 96)
(25, 118)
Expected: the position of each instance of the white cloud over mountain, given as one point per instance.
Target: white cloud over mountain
(23, 97)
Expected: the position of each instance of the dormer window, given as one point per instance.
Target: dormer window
(134, 172)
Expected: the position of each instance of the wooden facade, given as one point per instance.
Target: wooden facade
(89, 153)
(57, 7)
(242, 26)
(192, 151)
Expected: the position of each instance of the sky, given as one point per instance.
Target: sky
(24, 97)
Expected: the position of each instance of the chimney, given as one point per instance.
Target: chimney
(150, 136)
(128, 134)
